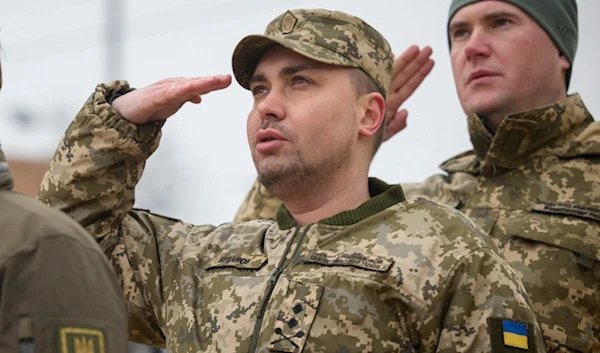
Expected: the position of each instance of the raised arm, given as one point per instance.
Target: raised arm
(93, 176)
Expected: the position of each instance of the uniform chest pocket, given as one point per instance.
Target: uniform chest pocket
(568, 226)
(224, 298)
(556, 250)
(239, 276)
(337, 302)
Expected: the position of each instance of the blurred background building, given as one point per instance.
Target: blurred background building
(27, 174)
(55, 52)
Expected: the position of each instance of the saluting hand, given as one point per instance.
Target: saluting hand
(164, 98)
(410, 69)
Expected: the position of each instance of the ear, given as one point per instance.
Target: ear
(373, 114)
(564, 65)
(564, 62)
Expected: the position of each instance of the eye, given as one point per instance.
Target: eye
(459, 33)
(256, 90)
(501, 22)
(299, 80)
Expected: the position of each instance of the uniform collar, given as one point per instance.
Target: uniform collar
(382, 196)
(521, 134)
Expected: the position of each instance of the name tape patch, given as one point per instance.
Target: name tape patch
(242, 261)
(369, 262)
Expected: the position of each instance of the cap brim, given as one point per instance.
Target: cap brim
(251, 48)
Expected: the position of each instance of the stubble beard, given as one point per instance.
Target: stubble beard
(496, 105)
(298, 178)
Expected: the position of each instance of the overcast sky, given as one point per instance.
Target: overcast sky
(53, 55)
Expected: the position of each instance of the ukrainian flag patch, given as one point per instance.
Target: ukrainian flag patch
(511, 336)
(515, 334)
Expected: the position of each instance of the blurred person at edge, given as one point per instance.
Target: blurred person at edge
(58, 292)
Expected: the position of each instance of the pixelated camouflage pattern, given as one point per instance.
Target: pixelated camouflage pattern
(535, 187)
(331, 37)
(409, 276)
(258, 204)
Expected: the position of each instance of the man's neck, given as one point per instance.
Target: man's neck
(493, 120)
(327, 200)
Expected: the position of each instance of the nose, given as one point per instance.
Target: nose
(271, 106)
(477, 47)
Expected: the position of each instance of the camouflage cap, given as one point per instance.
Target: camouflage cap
(330, 37)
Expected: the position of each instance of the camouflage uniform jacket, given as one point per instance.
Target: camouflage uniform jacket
(389, 276)
(58, 293)
(535, 187)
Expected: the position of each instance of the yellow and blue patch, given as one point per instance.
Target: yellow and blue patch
(511, 336)
(515, 334)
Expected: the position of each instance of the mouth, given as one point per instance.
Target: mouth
(268, 135)
(479, 75)
(268, 140)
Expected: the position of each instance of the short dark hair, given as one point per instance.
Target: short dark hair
(364, 84)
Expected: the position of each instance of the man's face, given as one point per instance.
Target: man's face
(302, 126)
(503, 62)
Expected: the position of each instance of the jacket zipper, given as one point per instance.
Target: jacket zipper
(271, 285)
